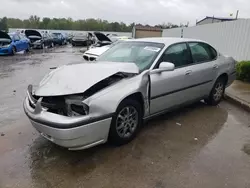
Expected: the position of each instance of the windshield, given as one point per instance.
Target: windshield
(142, 54)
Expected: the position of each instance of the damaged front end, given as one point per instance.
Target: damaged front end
(65, 110)
(71, 105)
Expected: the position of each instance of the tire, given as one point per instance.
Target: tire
(73, 44)
(126, 122)
(13, 50)
(28, 49)
(217, 92)
(42, 46)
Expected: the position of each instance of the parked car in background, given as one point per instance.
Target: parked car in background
(58, 38)
(12, 43)
(133, 81)
(22, 36)
(94, 52)
(38, 40)
(101, 40)
(81, 39)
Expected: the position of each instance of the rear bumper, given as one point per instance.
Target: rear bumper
(74, 133)
(231, 78)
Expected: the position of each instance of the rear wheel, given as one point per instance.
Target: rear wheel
(217, 92)
(126, 122)
(28, 48)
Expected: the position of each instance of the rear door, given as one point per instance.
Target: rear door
(204, 69)
(172, 88)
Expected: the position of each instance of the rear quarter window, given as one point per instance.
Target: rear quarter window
(202, 52)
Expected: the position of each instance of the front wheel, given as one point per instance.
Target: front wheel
(217, 92)
(13, 50)
(126, 122)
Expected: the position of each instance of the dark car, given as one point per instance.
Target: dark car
(58, 38)
(81, 39)
(39, 41)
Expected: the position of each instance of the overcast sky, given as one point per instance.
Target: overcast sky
(138, 11)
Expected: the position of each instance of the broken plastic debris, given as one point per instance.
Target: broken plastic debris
(178, 124)
(196, 139)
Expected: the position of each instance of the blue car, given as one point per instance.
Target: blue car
(12, 43)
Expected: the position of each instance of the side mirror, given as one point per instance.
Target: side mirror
(163, 67)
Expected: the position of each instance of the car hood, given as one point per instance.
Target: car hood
(101, 37)
(29, 33)
(98, 50)
(4, 35)
(77, 78)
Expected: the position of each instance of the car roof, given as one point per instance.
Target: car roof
(166, 40)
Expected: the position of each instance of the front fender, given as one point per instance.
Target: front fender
(107, 101)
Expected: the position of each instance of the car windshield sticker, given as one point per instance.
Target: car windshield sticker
(152, 48)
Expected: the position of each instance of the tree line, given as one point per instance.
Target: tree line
(90, 24)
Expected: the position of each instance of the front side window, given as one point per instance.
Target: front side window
(142, 54)
(202, 52)
(178, 54)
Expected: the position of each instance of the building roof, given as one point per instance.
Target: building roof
(217, 18)
(166, 40)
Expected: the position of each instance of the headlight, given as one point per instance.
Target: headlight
(38, 41)
(75, 107)
(6, 46)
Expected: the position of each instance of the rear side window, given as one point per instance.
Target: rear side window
(178, 54)
(202, 52)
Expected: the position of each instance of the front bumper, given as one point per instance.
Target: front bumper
(89, 57)
(75, 133)
(5, 51)
(36, 45)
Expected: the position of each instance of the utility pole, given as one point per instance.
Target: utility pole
(237, 14)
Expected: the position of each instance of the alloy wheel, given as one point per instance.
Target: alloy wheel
(127, 121)
(218, 91)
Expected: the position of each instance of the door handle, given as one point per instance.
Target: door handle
(215, 66)
(188, 72)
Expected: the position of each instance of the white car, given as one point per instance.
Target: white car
(82, 105)
(95, 52)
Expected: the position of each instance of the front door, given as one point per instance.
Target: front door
(172, 88)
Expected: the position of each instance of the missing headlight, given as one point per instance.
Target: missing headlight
(75, 106)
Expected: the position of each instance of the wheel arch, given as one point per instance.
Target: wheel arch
(223, 76)
(138, 96)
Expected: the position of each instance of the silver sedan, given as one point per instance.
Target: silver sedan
(82, 105)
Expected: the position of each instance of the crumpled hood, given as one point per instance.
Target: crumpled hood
(77, 78)
(98, 50)
(4, 35)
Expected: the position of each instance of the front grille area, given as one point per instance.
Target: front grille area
(53, 104)
(89, 58)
